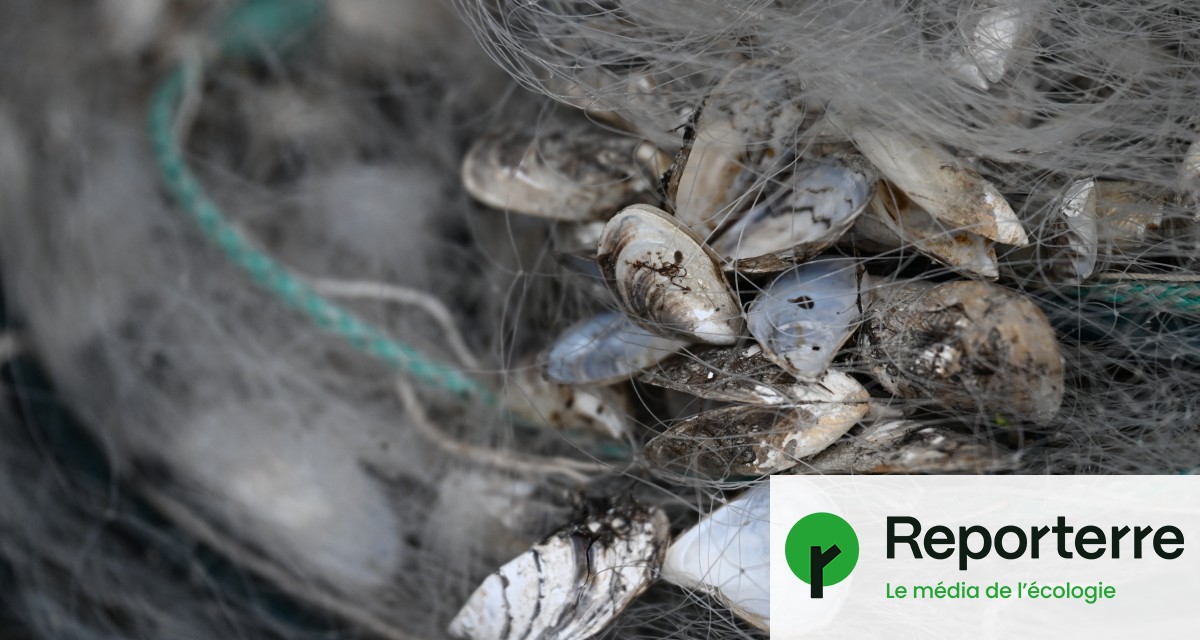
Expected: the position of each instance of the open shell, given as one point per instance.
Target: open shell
(807, 314)
(727, 555)
(573, 583)
(564, 170)
(820, 200)
(666, 279)
(604, 349)
(752, 440)
(965, 345)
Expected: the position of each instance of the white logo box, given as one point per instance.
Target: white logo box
(1154, 597)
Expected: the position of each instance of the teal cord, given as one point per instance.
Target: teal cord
(257, 27)
(1177, 297)
(265, 271)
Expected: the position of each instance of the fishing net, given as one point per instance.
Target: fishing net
(285, 352)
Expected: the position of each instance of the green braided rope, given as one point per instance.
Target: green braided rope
(268, 273)
(1182, 297)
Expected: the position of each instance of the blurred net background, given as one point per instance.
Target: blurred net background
(183, 455)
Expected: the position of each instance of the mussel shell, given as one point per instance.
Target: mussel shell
(740, 374)
(737, 141)
(1129, 213)
(908, 447)
(727, 555)
(571, 584)
(940, 184)
(605, 349)
(965, 345)
(958, 249)
(562, 169)
(820, 200)
(613, 95)
(752, 440)
(807, 314)
(1075, 246)
(601, 410)
(666, 279)
(993, 35)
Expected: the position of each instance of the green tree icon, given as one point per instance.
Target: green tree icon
(821, 549)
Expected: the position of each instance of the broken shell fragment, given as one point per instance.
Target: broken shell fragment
(571, 584)
(807, 314)
(666, 279)
(727, 555)
(908, 446)
(965, 345)
(752, 440)
(821, 200)
(605, 349)
(937, 182)
(564, 170)
(599, 410)
(893, 214)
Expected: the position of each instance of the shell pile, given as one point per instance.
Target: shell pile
(741, 281)
(742, 277)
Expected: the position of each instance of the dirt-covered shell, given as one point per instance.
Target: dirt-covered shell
(737, 141)
(566, 169)
(741, 374)
(666, 279)
(908, 446)
(752, 440)
(965, 345)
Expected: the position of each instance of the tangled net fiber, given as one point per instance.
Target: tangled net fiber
(185, 453)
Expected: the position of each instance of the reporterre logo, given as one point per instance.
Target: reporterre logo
(821, 550)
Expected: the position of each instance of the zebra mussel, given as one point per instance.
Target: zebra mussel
(736, 278)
